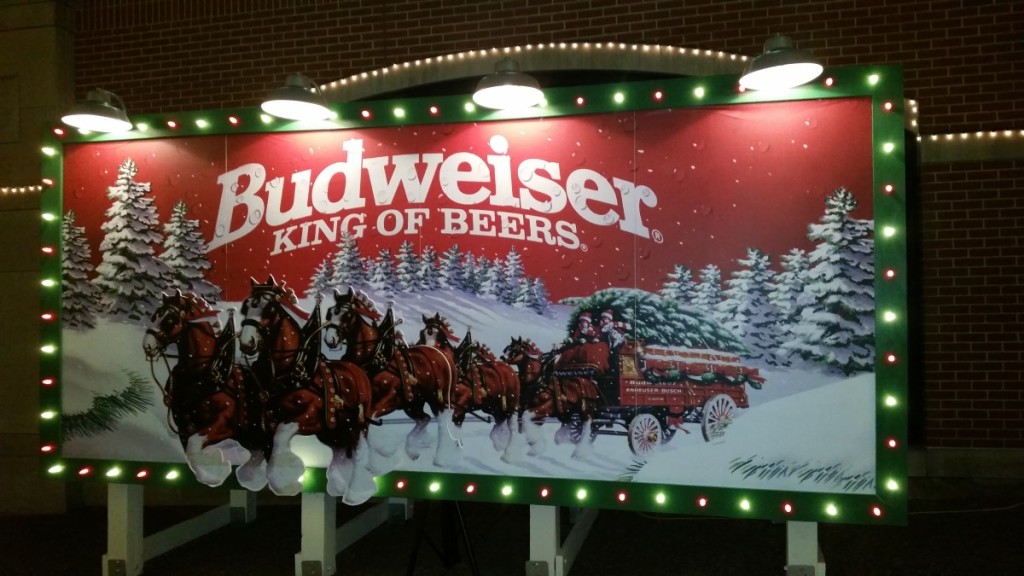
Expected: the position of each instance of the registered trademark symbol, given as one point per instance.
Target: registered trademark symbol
(656, 235)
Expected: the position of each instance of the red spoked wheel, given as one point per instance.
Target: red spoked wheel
(718, 413)
(645, 434)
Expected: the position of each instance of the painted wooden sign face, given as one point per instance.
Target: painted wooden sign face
(672, 297)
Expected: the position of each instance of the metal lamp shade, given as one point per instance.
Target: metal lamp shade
(102, 111)
(507, 88)
(298, 99)
(780, 66)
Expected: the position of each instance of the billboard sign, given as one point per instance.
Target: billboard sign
(673, 299)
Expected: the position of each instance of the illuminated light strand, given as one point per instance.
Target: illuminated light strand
(455, 58)
(35, 188)
(981, 135)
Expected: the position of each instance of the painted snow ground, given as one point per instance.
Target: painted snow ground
(800, 423)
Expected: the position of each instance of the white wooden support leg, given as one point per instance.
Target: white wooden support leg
(545, 540)
(124, 555)
(549, 555)
(574, 541)
(319, 522)
(243, 507)
(803, 555)
(400, 510)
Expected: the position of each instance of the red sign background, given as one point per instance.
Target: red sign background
(724, 179)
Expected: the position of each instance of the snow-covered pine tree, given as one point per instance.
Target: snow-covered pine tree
(748, 311)
(471, 274)
(427, 275)
(131, 276)
(347, 268)
(185, 255)
(320, 282)
(449, 269)
(382, 272)
(406, 267)
(785, 292)
(522, 293)
(80, 297)
(837, 316)
(679, 286)
(492, 282)
(516, 289)
(657, 320)
(540, 300)
(707, 294)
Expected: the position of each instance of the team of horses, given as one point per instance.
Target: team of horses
(270, 381)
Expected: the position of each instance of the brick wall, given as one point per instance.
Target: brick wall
(963, 61)
(972, 232)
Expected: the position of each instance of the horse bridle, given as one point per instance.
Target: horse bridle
(162, 313)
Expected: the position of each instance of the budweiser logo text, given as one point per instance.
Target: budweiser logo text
(489, 197)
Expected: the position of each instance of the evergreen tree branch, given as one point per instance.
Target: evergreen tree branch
(108, 409)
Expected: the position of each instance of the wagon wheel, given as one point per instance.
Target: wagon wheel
(717, 415)
(645, 434)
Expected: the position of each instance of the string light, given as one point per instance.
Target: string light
(21, 189)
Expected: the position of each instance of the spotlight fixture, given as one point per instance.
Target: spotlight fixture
(780, 66)
(102, 111)
(507, 88)
(299, 99)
